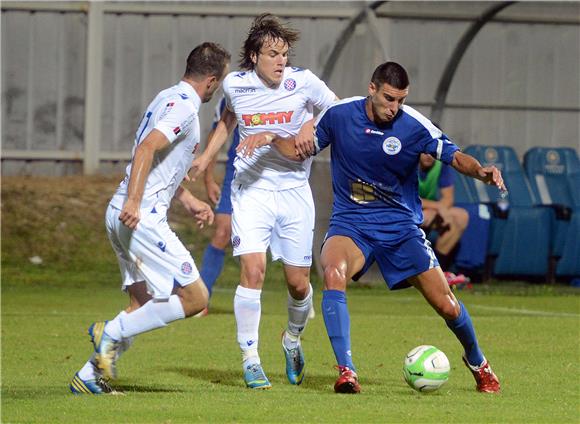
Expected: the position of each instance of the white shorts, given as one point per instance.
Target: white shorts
(281, 220)
(151, 253)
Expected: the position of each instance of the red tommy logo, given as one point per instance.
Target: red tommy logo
(252, 120)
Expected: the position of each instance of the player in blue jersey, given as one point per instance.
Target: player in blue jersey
(213, 257)
(376, 143)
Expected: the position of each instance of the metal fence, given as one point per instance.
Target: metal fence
(76, 76)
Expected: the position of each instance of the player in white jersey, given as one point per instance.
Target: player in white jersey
(157, 271)
(271, 198)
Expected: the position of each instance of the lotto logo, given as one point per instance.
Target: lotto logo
(270, 118)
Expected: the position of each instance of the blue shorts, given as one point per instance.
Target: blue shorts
(397, 262)
(224, 205)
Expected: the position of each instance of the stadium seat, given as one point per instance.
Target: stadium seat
(554, 174)
(520, 232)
(472, 252)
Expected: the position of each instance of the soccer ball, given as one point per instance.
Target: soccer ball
(426, 368)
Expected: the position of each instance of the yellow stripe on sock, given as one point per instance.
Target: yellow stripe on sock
(98, 332)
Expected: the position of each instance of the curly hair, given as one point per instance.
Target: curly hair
(265, 27)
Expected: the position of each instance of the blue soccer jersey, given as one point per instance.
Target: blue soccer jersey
(224, 205)
(374, 169)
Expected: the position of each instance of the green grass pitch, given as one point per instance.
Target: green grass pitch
(191, 370)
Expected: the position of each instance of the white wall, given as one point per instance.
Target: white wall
(518, 83)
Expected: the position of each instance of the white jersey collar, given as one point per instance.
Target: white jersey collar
(191, 93)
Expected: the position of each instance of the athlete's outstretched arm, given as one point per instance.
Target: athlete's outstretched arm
(286, 146)
(140, 168)
(471, 167)
(225, 126)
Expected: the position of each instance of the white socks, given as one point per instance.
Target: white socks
(89, 371)
(247, 309)
(152, 315)
(298, 312)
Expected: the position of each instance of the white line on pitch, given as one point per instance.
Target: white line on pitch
(525, 311)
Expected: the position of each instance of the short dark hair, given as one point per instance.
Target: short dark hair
(391, 73)
(265, 27)
(207, 59)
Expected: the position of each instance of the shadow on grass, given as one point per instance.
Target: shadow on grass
(314, 382)
(128, 388)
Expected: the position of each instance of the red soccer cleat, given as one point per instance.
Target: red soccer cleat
(458, 281)
(485, 378)
(347, 382)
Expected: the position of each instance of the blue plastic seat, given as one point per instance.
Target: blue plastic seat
(554, 174)
(472, 252)
(520, 233)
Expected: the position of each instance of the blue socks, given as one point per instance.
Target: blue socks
(213, 263)
(463, 329)
(337, 321)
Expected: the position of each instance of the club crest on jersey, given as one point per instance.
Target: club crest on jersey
(270, 118)
(176, 130)
(236, 241)
(392, 145)
(290, 84)
(186, 268)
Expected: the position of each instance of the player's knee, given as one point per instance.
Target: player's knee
(221, 238)
(195, 299)
(254, 276)
(334, 278)
(461, 218)
(448, 309)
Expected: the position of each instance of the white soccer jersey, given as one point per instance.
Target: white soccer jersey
(174, 112)
(282, 111)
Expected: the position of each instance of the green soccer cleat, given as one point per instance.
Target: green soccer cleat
(255, 378)
(294, 362)
(99, 386)
(105, 349)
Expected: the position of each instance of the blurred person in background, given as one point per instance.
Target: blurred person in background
(214, 254)
(436, 190)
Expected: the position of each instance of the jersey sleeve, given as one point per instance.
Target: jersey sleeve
(175, 120)
(227, 95)
(218, 112)
(436, 143)
(319, 94)
(440, 147)
(322, 130)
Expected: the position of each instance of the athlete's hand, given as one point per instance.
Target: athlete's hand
(130, 215)
(213, 190)
(198, 167)
(304, 140)
(254, 141)
(200, 210)
(492, 176)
